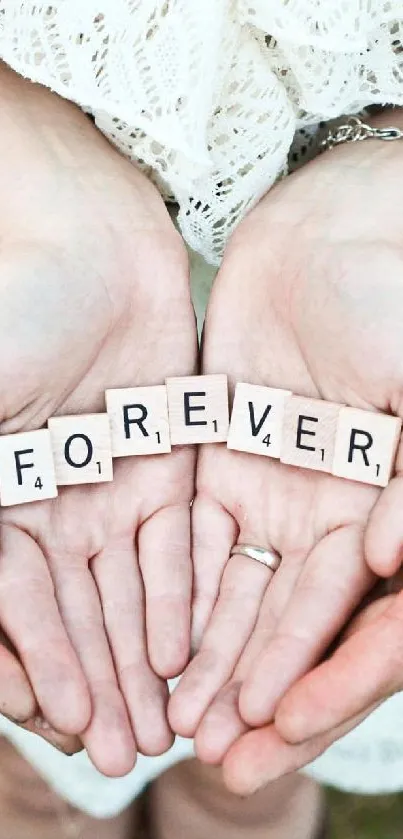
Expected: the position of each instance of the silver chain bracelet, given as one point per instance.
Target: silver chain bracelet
(355, 130)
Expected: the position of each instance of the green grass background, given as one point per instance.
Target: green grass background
(366, 817)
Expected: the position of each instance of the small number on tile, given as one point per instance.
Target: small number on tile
(198, 409)
(139, 420)
(81, 448)
(257, 419)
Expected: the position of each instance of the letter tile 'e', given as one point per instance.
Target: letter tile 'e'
(138, 418)
(309, 433)
(26, 468)
(198, 409)
(366, 446)
(81, 447)
(257, 419)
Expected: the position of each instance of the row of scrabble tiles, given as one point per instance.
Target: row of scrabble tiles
(309, 433)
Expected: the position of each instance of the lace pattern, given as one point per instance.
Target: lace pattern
(207, 96)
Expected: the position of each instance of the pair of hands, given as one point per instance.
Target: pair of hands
(96, 586)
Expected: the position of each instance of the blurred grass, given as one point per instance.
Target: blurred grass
(366, 817)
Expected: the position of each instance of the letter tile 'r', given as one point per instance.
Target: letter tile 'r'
(138, 419)
(366, 446)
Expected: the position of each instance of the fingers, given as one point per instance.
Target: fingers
(366, 669)
(242, 588)
(262, 756)
(221, 726)
(30, 617)
(384, 534)
(213, 533)
(108, 737)
(121, 591)
(18, 703)
(165, 562)
(332, 583)
(17, 699)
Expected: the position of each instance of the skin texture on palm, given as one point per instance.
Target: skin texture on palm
(94, 293)
(310, 298)
(316, 522)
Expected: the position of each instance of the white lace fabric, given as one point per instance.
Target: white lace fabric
(206, 95)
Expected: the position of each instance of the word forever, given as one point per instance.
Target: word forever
(142, 421)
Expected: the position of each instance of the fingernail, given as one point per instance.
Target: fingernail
(59, 748)
(41, 724)
(263, 783)
(15, 720)
(65, 752)
(43, 728)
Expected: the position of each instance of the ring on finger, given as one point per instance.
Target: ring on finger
(267, 556)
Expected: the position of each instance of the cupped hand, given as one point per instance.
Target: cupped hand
(321, 707)
(309, 298)
(91, 582)
(18, 702)
(313, 520)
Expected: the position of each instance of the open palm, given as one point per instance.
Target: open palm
(90, 581)
(315, 521)
(309, 298)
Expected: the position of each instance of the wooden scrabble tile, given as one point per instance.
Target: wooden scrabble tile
(198, 409)
(82, 450)
(309, 433)
(26, 468)
(138, 419)
(257, 419)
(366, 446)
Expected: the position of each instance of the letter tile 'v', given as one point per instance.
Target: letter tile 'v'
(257, 419)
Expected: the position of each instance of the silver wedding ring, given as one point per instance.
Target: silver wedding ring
(270, 558)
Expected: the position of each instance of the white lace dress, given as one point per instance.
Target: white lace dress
(213, 99)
